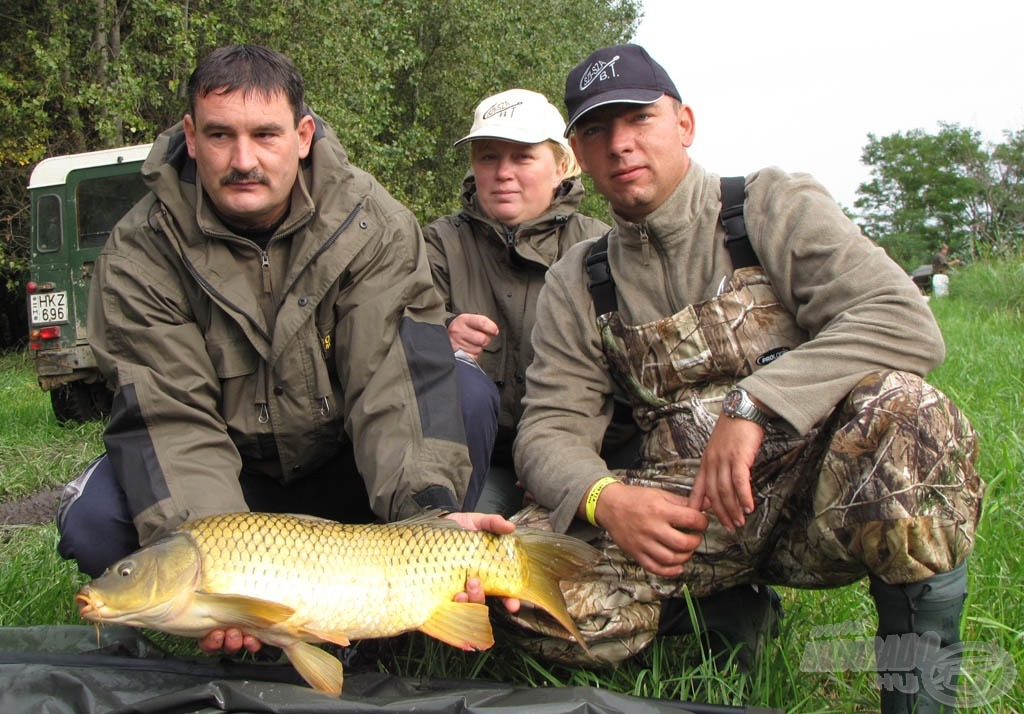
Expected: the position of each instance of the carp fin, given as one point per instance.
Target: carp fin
(466, 625)
(321, 669)
(552, 557)
(434, 517)
(333, 637)
(243, 611)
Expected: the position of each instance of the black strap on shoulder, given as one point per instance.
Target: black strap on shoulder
(601, 283)
(736, 239)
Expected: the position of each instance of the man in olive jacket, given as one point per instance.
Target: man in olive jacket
(268, 317)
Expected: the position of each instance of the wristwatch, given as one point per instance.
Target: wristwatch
(738, 404)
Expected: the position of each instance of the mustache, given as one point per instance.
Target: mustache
(254, 176)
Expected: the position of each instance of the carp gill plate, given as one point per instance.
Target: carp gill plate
(293, 580)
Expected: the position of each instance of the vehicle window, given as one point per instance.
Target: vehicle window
(102, 202)
(48, 224)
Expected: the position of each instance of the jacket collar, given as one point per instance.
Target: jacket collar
(672, 218)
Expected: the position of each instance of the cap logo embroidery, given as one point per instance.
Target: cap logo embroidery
(502, 108)
(599, 71)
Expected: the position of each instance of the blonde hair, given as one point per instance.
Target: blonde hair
(564, 155)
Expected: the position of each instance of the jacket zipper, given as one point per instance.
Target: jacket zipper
(645, 243)
(210, 289)
(265, 268)
(330, 241)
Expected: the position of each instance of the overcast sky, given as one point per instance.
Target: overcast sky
(800, 84)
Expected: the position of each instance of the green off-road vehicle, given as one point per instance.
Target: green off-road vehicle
(76, 200)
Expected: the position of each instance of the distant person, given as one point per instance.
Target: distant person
(268, 318)
(941, 261)
(789, 435)
(519, 215)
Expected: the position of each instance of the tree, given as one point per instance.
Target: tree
(398, 80)
(1004, 231)
(927, 190)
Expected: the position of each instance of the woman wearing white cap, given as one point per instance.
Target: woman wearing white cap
(518, 217)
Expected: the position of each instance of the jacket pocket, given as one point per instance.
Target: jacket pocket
(232, 357)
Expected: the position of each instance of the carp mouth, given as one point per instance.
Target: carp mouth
(88, 608)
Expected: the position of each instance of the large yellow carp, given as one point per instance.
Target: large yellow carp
(292, 580)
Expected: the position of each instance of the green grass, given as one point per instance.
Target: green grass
(983, 323)
(36, 452)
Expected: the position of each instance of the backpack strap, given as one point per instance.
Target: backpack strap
(737, 242)
(601, 283)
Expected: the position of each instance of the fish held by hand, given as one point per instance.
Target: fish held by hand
(293, 580)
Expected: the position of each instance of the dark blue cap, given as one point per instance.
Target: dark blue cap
(621, 73)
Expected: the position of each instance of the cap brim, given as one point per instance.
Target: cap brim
(516, 137)
(616, 96)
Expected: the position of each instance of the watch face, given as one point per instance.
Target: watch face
(732, 401)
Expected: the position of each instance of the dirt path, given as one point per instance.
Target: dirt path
(38, 508)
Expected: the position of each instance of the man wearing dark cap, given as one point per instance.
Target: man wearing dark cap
(790, 438)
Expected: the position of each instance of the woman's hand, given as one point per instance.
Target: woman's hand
(471, 333)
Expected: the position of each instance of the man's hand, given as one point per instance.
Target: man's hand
(471, 333)
(723, 482)
(230, 641)
(658, 529)
(493, 523)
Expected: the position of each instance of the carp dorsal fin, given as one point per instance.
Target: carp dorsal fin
(322, 670)
(305, 517)
(243, 611)
(466, 625)
(430, 517)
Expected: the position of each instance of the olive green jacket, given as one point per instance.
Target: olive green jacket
(227, 356)
(481, 266)
(860, 310)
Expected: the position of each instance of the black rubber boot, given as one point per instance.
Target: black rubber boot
(915, 623)
(733, 623)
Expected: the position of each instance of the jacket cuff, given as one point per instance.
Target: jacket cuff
(437, 497)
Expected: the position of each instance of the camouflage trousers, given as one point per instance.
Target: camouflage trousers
(887, 486)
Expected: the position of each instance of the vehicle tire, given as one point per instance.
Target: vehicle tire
(79, 402)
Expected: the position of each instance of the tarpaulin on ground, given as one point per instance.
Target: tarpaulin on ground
(72, 670)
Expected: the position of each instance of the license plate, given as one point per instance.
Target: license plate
(49, 307)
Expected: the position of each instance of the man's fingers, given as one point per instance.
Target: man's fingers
(491, 522)
(212, 642)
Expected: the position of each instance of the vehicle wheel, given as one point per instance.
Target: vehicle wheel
(80, 402)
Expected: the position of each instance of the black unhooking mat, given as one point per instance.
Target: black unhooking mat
(65, 670)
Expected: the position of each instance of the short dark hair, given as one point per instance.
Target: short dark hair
(253, 70)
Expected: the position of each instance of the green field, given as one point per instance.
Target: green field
(983, 323)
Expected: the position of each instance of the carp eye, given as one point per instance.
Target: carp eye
(125, 569)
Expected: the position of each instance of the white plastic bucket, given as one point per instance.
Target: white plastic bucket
(940, 285)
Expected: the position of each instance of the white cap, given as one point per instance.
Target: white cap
(517, 115)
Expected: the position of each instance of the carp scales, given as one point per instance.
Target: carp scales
(292, 581)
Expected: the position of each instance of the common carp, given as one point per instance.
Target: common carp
(294, 580)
